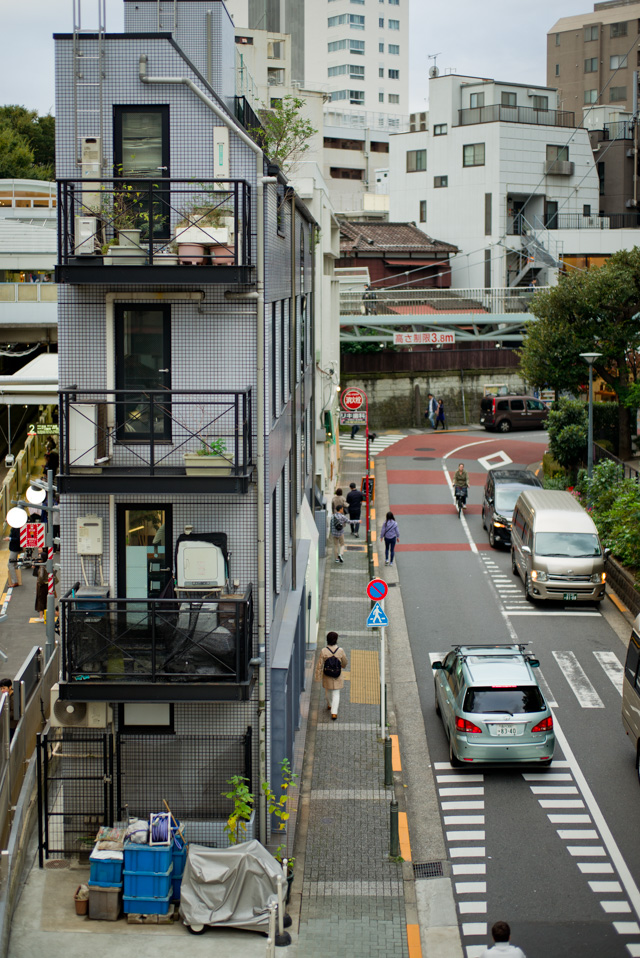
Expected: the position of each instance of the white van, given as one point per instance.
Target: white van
(555, 548)
(631, 691)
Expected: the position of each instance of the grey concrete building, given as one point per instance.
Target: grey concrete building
(186, 328)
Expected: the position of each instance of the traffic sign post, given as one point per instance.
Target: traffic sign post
(377, 590)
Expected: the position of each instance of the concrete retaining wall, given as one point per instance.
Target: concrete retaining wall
(624, 585)
(399, 400)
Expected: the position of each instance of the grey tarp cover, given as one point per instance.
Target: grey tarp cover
(229, 886)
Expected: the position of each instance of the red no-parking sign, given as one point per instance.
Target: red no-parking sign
(32, 535)
(352, 399)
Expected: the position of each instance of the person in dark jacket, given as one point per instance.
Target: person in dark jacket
(391, 534)
(12, 566)
(440, 417)
(354, 505)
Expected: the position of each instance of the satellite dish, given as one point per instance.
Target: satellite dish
(434, 72)
(70, 713)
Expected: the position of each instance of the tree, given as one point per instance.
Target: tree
(284, 133)
(27, 143)
(567, 425)
(597, 310)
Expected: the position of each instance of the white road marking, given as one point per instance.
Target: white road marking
(478, 852)
(578, 681)
(586, 851)
(550, 699)
(459, 778)
(464, 819)
(547, 776)
(480, 442)
(554, 790)
(613, 667)
(441, 765)
(611, 887)
(469, 868)
(475, 928)
(502, 459)
(561, 803)
(479, 790)
(437, 657)
(569, 819)
(471, 887)
(476, 951)
(626, 927)
(577, 834)
(595, 868)
(616, 907)
(461, 806)
(463, 519)
(472, 907)
(634, 950)
(468, 836)
(556, 615)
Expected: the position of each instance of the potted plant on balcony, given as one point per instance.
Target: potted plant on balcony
(205, 227)
(239, 825)
(127, 213)
(212, 457)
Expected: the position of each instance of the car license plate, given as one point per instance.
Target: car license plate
(482, 419)
(570, 596)
(505, 730)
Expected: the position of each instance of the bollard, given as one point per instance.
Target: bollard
(283, 937)
(388, 765)
(271, 940)
(394, 835)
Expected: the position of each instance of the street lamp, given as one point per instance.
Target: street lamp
(590, 358)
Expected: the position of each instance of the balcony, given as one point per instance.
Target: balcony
(595, 221)
(126, 441)
(559, 168)
(130, 231)
(515, 114)
(135, 650)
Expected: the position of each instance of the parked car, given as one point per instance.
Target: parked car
(555, 548)
(505, 413)
(501, 490)
(631, 691)
(492, 707)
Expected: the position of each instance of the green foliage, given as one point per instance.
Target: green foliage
(567, 426)
(614, 504)
(27, 144)
(362, 347)
(558, 481)
(278, 805)
(217, 447)
(550, 467)
(284, 134)
(236, 825)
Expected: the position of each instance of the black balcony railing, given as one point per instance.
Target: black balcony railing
(515, 114)
(156, 641)
(141, 225)
(179, 440)
(596, 221)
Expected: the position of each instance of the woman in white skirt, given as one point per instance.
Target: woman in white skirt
(331, 661)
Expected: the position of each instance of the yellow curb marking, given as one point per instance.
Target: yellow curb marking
(373, 535)
(396, 764)
(41, 621)
(3, 598)
(403, 831)
(365, 678)
(413, 941)
(372, 513)
(375, 560)
(372, 464)
(616, 601)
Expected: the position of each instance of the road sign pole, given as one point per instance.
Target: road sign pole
(383, 691)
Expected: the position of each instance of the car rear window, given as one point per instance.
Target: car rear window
(486, 404)
(513, 700)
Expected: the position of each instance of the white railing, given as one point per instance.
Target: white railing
(408, 302)
(28, 293)
(363, 120)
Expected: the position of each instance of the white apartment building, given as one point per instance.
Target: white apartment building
(499, 170)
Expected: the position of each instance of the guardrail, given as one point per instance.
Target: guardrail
(378, 302)
(515, 114)
(28, 293)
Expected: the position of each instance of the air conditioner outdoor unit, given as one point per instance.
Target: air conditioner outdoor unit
(78, 714)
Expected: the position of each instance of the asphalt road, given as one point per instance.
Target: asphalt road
(554, 852)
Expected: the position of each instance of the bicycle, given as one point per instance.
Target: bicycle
(460, 493)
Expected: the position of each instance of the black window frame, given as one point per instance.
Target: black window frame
(120, 309)
(474, 146)
(119, 110)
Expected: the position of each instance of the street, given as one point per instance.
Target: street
(553, 852)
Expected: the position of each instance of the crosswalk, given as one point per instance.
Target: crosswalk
(511, 592)
(382, 442)
(558, 793)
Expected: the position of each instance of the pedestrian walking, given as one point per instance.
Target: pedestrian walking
(354, 429)
(355, 499)
(391, 534)
(336, 527)
(338, 500)
(331, 661)
(501, 934)
(42, 584)
(440, 416)
(15, 572)
(432, 410)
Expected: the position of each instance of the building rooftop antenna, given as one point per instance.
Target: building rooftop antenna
(433, 70)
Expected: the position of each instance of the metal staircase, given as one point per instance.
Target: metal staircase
(539, 249)
(167, 13)
(88, 75)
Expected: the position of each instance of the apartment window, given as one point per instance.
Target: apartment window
(476, 100)
(380, 71)
(358, 1)
(394, 3)
(617, 93)
(617, 62)
(473, 154)
(394, 98)
(336, 71)
(353, 96)
(336, 21)
(440, 129)
(336, 45)
(380, 97)
(487, 213)
(440, 182)
(618, 29)
(540, 102)
(381, 48)
(590, 96)
(416, 161)
(394, 24)
(557, 39)
(560, 153)
(394, 74)
(508, 99)
(394, 49)
(590, 33)
(557, 69)
(356, 46)
(586, 209)
(356, 21)
(591, 65)
(381, 22)
(354, 71)
(423, 211)
(601, 178)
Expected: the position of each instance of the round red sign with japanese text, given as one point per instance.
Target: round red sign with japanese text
(352, 399)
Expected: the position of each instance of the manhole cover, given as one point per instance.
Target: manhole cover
(58, 863)
(392, 585)
(423, 458)
(427, 870)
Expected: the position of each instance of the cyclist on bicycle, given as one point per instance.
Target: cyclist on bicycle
(461, 484)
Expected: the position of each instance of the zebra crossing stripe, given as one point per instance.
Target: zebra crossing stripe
(578, 681)
(612, 667)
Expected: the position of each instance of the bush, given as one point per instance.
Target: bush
(605, 425)
(560, 480)
(568, 425)
(550, 467)
(614, 504)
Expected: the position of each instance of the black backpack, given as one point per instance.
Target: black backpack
(332, 666)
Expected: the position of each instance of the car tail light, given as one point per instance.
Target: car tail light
(544, 726)
(463, 726)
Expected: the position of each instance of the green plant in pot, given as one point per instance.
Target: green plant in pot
(277, 805)
(236, 824)
(211, 457)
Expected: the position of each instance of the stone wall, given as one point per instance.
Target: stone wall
(399, 400)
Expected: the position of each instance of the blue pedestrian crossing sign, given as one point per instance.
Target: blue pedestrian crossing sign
(377, 618)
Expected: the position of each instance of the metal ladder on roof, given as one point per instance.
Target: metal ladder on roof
(165, 14)
(88, 76)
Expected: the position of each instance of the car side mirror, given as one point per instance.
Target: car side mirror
(534, 663)
(526, 550)
(607, 553)
(436, 665)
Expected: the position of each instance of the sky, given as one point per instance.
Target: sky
(500, 39)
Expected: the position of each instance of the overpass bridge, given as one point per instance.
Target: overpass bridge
(473, 315)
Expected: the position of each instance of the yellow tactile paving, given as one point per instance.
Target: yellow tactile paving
(372, 513)
(346, 675)
(413, 941)
(372, 465)
(373, 535)
(403, 831)
(396, 764)
(365, 677)
(375, 560)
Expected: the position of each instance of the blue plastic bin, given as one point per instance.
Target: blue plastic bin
(179, 859)
(146, 906)
(105, 872)
(176, 886)
(147, 858)
(104, 884)
(147, 884)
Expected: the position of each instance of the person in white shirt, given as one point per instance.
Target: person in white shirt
(501, 933)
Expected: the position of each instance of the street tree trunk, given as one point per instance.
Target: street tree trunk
(624, 432)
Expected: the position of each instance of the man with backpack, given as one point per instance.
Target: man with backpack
(331, 661)
(336, 528)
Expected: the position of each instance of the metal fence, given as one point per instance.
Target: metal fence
(515, 114)
(600, 453)
(411, 302)
(427, 360)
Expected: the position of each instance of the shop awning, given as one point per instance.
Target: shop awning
(34, 385)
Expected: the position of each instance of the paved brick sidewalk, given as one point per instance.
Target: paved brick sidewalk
(352, 895)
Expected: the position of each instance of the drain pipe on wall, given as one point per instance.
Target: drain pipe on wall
(258, 295)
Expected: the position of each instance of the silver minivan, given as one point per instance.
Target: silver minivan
(555, 548)
(631, 691)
